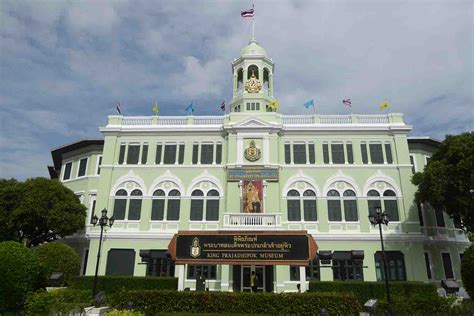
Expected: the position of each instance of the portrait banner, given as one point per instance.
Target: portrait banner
(252, 195)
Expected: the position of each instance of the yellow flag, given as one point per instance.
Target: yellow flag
(384, 105)
(275, 104)
(155, 108)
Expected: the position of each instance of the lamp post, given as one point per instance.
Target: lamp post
(380, 218)
(102, 221)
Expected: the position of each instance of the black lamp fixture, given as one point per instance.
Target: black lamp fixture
(103, 221)
(379, 218)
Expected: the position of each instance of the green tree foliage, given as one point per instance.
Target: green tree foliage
(19, 274)
(58, 257)
(467, 270)
(39, 210)
(447, 182)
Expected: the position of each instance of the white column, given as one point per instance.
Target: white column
(303, 279)
(181, 271)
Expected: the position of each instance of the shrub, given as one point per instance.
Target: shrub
(367, 290)
(58, 257)
(19, 274)
(417, 304)
(112, 284)
(123, 313)
(61, 301)
(156, 302)
(467, 271)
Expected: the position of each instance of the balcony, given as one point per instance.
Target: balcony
(251, 221)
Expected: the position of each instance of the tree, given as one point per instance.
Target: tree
(58, 257)
(9, 197)
(447, 182)
(19, 274)
(40, 210)
(467, 270)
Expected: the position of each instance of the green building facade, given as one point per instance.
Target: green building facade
(255, 169)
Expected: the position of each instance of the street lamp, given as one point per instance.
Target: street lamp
(380, 218)
(102, 221)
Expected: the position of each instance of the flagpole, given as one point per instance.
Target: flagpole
(253, 28)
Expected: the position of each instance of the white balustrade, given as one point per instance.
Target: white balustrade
(137, 120)
(297, 119)
(245, 220)
(172, 120)
(373, 119)
(208, 120)
(335, 119)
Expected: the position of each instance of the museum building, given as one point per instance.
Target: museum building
(286, 196)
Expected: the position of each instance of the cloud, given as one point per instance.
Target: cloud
(63, 64)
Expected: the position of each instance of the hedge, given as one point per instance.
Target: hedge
(467, 270)
(58, 257)
(112, 284)
(156, 302)
(419, 304)
(367, 290)
(61, 301)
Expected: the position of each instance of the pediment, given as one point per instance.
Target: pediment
(254, 123)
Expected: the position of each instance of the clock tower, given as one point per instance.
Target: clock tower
(252, 80)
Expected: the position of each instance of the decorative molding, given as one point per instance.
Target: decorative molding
(301, 178)
(203, 178)
(332, 182)
(381, 177)
(122, 183)
(162, 182)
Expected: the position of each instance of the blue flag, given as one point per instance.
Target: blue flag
(190, 109)
(308, 104)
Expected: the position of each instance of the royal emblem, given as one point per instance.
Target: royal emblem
(252, 153)
(253, 85)
(195, 249)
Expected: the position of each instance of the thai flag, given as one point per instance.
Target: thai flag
(223, 105)
(347, 102)
(247, 13)
(117, 107)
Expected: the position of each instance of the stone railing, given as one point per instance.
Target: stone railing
(335, 119)
(297, 119)
(248, 221)
(172, 120)
(137, 120)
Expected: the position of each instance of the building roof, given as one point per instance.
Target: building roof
(424, 140)
(253, 49)
(57, 153)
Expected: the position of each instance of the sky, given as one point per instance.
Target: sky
(63, 64)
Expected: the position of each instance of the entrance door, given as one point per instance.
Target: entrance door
(246, 272)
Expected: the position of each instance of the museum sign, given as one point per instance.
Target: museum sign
(243, 247)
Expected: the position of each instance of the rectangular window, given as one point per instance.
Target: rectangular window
(120, 262)
(207, 151)
(440, 218)
(173, 210)
(428, 266)
(334, 210)
(157, 210)
(93, 199)
(195, 153)
(99, 163)
(67, 171)
(309, 210)
(447, 265)
(248, 106)
(363, 150)
(350, 211)
(337, 151)
(350, 155)
(144, 154)
(299, 153)
(82, 167)
(294, 211)
(395, 266)
(420, 213)
(412, 163)
(218, 154)
(132, 155)
(159, 148)
(252, 106)
(312, 157)
(287, 154)
(170, 154)
(294, 273)
(376, 154)
(313, 271)
(212, 210)
(196, 210)
(181, 154)
(325, 153)
(388, 153)
(257, 107)
(119, 208)
(122, 154)
(346, 269)
(391, 207)
(134, 209)
(209, 272)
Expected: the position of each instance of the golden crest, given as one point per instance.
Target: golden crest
(252, 153)
(195, 249)
(253, 85)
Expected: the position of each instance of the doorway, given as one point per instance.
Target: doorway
(246, 272)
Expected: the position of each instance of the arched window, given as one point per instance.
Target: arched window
(293, 206)
(120, 204)
(199, 203)
(212, 206)
(266, 79)
(135, 207)
(158, 205)
(252, 70)
(350, 206)
(334, 206)
(240, 79)
(391, 205)
(172, 211)
(373, 200)
(309, 206)
(129, 207)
